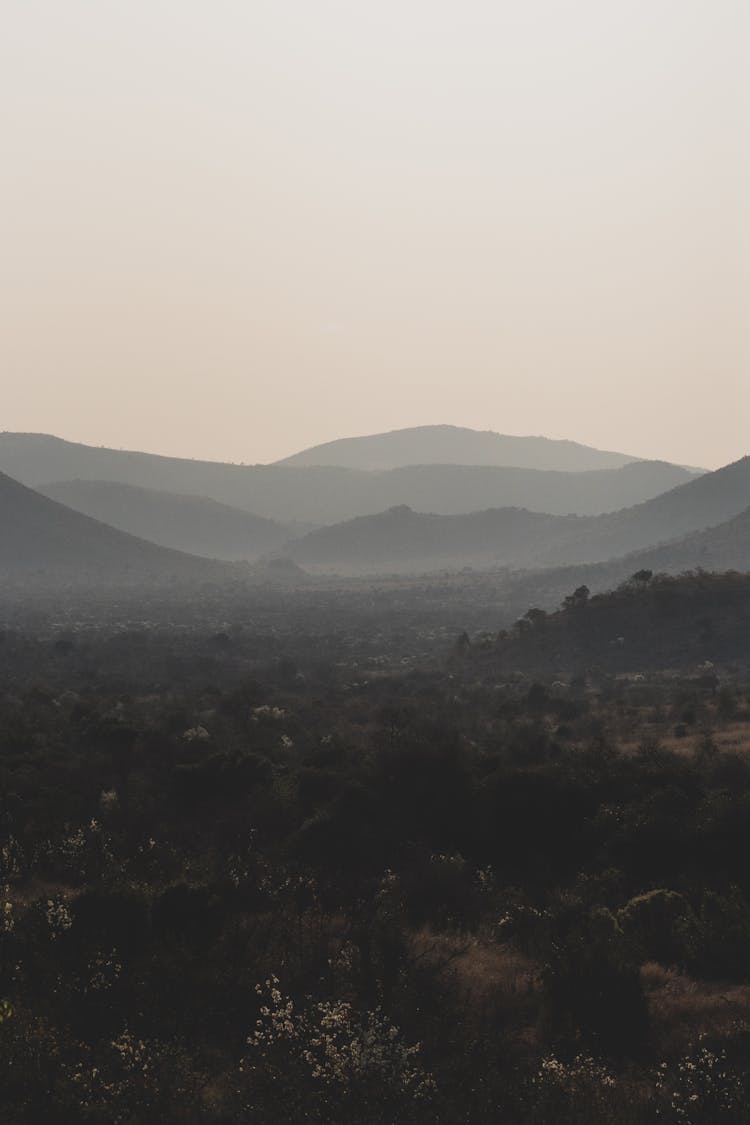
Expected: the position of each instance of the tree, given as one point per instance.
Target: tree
(537, 617)
(578, 599)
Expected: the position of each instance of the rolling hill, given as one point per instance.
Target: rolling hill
(44, 541)
(402, 540)
(194, 524)
(328, 495)
(456, 445)
(726, 547)
(717, 549)
(704, 502)
(672, 621)
(462, 489)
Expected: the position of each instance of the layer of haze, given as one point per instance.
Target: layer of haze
(237, 228)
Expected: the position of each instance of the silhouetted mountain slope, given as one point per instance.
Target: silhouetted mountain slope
(718, 549)
(194, 524)
(726, 547)
(669, 621)
(41, 539)
(456, 489)
(328, 495)
(37, 459)
(456, 445)
(401, 539)
(703, 502)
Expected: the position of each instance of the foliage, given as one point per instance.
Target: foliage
(456, 860)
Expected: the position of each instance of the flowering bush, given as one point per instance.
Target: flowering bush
(58, 916)
(104, 970)
(85, 853)
(135, 1079)
(700, 1089)
(7, 920)
(330, 1049)
(573, 1091)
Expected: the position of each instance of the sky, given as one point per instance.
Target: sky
(234, 229)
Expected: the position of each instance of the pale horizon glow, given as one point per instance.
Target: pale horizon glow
(235, 230)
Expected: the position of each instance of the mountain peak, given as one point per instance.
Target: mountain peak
(457, 445)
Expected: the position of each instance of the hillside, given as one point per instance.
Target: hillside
(704, 502)
(194, 524)
(328, 495)
(43, 540)
(669, 621)
(726, 547)
(457, 489)
(720, 549)
(456, 445)
(402, 540)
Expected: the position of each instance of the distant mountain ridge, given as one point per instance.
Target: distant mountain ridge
(726, 547)
(288, 493)
(457, 445)
(194, 524)
(705, 502)
(403, 539)
(43, 540)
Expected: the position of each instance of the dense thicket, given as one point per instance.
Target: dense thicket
(249, 876)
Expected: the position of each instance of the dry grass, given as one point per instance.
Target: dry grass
(492, 986)
(479, 967)
(682, 1009)
(728, 736)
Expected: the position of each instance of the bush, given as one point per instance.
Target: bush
(662, 926)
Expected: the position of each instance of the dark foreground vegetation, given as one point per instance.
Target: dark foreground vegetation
(336, 865)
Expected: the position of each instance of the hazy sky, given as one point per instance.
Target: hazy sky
(235, 228)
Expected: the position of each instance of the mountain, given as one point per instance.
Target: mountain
(703, 502)
(45, 541)
(401, 539)
(194, 524)
(670, 621)
(722, 548)
(456, 489)
(726, 547)
(328, 495)
(404, 540)
(456, 445)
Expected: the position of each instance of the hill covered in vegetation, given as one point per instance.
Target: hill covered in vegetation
(649, 621)
(345, 868)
